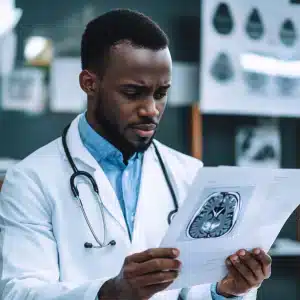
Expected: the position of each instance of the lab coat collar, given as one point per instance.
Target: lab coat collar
(107, 194)
(86, 162)
(76, 147)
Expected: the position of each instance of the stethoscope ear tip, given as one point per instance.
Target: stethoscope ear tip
(112, 243)
(88, 245)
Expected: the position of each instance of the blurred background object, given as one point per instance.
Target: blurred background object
(38, 51)
(66, 94)
(234, 99)
(24, 90)
(254, 62)
(259, 145)
(9, 16)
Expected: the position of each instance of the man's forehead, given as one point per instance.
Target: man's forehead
(129, 55)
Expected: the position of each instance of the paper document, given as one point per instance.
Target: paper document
(227, 209)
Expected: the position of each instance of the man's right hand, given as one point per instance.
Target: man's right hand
(143, 275)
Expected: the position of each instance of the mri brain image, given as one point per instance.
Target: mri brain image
(223, 19)
(255, 81)
(288, 34)
(286, 86)
(216, 217)
(222, 69)
(254, 25)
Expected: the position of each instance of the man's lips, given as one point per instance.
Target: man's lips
(144, 130)
(145, 127)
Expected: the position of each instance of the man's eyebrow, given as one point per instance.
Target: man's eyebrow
(142, 86)
(133, 85)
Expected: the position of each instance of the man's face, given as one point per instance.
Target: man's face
(131, 96)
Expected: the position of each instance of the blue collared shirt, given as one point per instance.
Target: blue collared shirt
(125, 179)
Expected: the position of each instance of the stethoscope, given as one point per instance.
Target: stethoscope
(75, 191)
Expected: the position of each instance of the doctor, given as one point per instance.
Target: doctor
(83, 217)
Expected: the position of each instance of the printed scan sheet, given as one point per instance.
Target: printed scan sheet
(227, 209)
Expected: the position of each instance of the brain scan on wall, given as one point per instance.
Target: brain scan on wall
(255, 81)
(287, 33)
(216, 217)
(233, 31)
(286, 85)
(222, 69)
(254, 25)
(223, 19)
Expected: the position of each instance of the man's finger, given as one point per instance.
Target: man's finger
(253, 264)
(240, 283)
(155, 265)
(155, 278)
(243, 270)
(152, 254)
(265, 260)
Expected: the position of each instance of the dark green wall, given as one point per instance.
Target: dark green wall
(21, 134)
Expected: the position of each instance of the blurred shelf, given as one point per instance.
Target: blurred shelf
(285, 248)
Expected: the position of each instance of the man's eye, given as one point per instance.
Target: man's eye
(160, 95)
(131, 93)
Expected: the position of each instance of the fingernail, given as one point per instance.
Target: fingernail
(228, 262)
(235, 258)
(256, 251)
(175, 252)
(179, 265)
(242, 253)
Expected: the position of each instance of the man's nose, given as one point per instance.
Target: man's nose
(148, 108)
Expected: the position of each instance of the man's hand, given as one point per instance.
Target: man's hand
(143, 275)
(246, 271)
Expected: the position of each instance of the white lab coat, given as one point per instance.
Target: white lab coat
(43, 230)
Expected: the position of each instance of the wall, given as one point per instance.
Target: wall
(63, 22)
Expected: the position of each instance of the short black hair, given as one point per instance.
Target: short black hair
(114, 27)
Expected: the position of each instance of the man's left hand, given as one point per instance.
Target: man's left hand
(246, 270)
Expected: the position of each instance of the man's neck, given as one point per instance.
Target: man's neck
(126, 152)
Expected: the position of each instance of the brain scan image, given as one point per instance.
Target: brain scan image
(222, 69)
(255, 81)
(288, 34)
(223, 19)
(254, 25)
(216, 217)
(286, 86)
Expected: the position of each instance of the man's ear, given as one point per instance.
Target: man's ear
(87, 82)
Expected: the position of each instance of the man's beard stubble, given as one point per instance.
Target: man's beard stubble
(113, 135)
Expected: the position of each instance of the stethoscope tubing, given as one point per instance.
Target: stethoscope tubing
(75, 191)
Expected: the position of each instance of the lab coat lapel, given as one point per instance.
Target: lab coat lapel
(154, 204)
(86, 162)
(77, 150)
(109, 198)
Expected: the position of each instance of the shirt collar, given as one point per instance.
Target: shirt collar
(100, 148)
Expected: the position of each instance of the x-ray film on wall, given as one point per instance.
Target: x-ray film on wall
(258, 146)
(250, 58)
